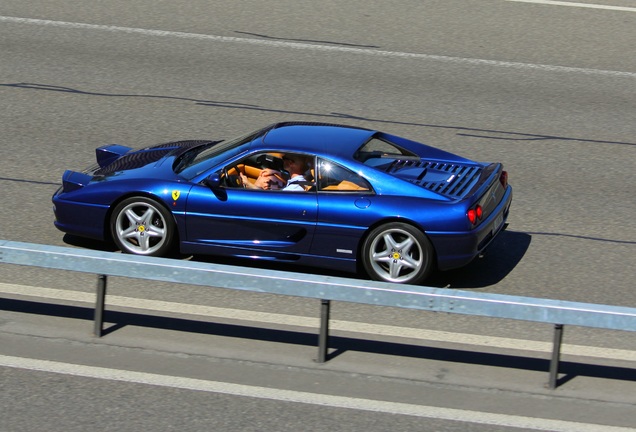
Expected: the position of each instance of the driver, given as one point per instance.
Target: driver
(270, 179)
(296, 166)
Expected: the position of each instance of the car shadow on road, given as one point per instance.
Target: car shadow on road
(501, 257)
(338, 345)
(87, 243)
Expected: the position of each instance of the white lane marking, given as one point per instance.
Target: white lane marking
(580, 5)
(298, 321)
(317, 47)
(178, 382)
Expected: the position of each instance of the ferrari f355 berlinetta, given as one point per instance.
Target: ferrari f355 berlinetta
(315, 194)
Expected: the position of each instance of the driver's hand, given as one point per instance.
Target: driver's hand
(244, 178)
(274, 175)
(262, 181)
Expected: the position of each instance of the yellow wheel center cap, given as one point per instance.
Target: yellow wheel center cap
(396, 256)
(141, 228)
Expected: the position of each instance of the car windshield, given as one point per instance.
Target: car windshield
(200, 159)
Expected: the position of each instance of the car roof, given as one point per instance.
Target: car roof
(309, 137)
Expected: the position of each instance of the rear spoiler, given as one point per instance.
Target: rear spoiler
(108, 154)
(73, 180)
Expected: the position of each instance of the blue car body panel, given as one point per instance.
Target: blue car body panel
(432, 192)
(280, 222)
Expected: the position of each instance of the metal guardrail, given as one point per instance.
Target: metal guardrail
(324, 288)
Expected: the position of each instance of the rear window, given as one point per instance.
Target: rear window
(379, 148)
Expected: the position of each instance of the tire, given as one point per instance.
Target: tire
(142, 226)
(397, 252)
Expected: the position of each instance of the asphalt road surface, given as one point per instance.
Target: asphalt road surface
(547, 88)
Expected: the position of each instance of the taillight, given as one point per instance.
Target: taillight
(475, 214)
(472, 216)
(503, 179)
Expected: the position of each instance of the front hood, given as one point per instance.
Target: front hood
(117, 161)
(116, 158)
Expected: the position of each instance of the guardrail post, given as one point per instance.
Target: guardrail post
(99, 306)
(556, 356)
(323, 337)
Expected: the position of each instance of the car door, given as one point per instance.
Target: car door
(345, 210)
(250, 222)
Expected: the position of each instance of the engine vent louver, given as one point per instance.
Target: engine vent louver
(449, 179)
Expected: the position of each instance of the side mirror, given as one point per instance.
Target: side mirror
(213, 181)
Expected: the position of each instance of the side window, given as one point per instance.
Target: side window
(336, 178)
(246, 173)
(272, 171)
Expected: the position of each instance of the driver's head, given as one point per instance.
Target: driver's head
(295, 164)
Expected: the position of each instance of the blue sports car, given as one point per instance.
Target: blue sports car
(316, 194)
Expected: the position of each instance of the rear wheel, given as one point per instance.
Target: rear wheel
(397, 252)
(141, 226)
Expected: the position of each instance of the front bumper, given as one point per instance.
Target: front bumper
(79, 219)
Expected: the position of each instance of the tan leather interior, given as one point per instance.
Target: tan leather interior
(252, 173)
(345, 185)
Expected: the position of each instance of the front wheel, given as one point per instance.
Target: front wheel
(397, 252)
(141, 226)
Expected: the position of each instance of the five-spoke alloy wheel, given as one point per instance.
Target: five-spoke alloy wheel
(142, 226)
(397, 252)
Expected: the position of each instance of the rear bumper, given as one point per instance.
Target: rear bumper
(457, 249)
